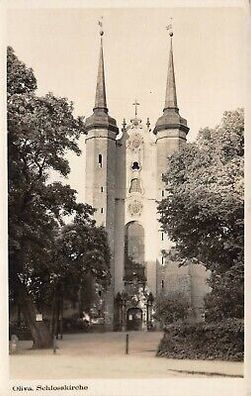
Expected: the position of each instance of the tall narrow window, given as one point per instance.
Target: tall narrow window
(162, 236)
(102, 189)
(162, 284)
(100, 160)
(102, 210)
(162, 260)
(163, 193)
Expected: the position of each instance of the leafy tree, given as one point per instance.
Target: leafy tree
(204, 210)
(40, 132)
(170, 309)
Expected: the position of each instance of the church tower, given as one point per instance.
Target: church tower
(101, 132)
(170, 130)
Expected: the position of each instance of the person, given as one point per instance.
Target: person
(86, 319)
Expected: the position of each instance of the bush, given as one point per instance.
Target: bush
(220, 341)
(172, 308)
(20, 330)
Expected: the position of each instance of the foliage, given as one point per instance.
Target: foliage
(221, 340)
(170, 309)
(40, 132)
(227, 296)
(20, 79)
(204, 209)
(82, 248)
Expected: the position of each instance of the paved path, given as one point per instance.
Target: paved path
(103, 355)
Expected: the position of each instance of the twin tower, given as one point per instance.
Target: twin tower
(124, 183)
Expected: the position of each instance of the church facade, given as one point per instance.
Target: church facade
(124, 171)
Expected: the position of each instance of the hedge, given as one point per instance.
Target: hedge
(219, 341)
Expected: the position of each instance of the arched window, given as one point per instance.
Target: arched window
(134, 252)
(135, 186)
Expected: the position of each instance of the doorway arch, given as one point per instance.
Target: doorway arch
(134, 319)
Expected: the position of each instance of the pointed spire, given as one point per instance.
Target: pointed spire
(171, 96)
(171, 118)
(100, 119)
(100, 100)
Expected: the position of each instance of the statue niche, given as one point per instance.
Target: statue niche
(135, 186)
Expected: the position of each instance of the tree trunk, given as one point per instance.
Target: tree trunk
(61, 313)
(39, 331)
(57, 313)
(53, 315)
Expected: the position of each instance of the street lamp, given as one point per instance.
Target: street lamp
(124, 298)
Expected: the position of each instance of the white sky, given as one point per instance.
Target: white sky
(61, 45)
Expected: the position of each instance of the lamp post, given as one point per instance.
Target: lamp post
(124, 300)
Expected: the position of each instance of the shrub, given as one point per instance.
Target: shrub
(20, 330)
(222, 340)
(170, 309)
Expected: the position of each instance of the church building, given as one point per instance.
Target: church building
(124, 183)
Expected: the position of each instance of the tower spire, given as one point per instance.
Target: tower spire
(100, 119)
(171, 95)
(171, 118)
(100, 99)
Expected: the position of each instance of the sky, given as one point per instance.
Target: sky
(62, 47)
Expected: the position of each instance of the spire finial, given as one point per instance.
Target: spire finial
(100, 100)
(171, 96)
(100, 23)
(169, 27)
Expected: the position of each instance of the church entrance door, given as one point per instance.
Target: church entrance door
(134, 319)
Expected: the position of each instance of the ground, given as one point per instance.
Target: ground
(102, 355)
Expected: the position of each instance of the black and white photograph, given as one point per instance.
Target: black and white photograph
(123, 223)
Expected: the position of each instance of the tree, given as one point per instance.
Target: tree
(204, 210)
(171, 308)
(40, 132)
(80, 251)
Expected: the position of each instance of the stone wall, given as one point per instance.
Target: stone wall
(190, 280)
